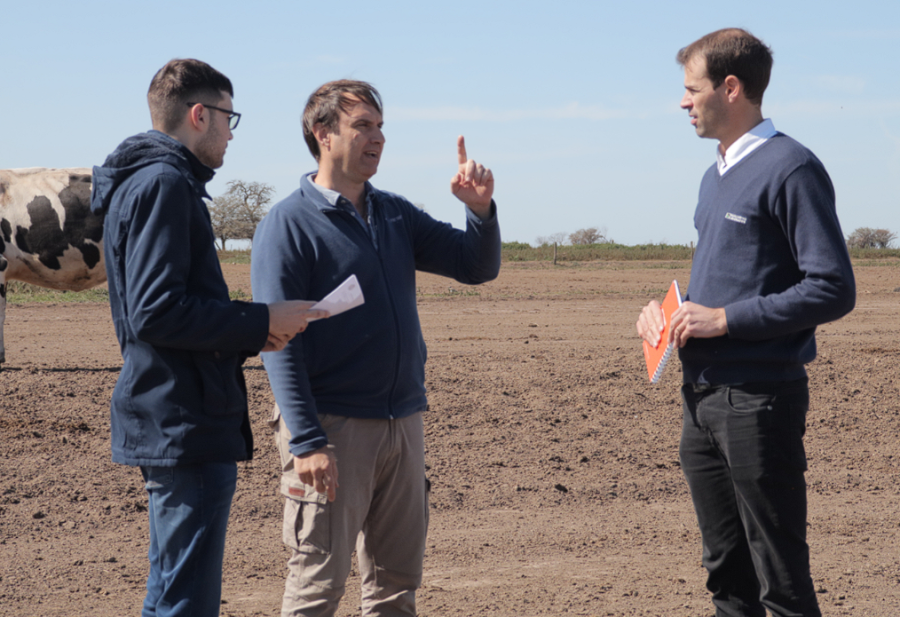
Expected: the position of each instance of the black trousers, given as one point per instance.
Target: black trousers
(742, 454)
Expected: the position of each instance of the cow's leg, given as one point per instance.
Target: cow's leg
(3, 266)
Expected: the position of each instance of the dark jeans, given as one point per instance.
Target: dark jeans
(188, 507)
(742, 454)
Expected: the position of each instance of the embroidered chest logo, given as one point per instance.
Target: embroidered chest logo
(736, 218)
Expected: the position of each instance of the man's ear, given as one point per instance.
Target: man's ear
(733, 88)
(197, 118)
(321, 134)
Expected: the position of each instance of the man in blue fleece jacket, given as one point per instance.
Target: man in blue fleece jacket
(350, 391)
(771, 265)
(179, 409)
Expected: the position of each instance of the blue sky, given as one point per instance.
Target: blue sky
(574, 105)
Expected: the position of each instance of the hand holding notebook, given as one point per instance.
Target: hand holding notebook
(658, 356)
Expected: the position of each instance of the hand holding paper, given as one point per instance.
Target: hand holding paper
(345, 296)
(287, 318)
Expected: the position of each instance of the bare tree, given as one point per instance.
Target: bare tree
(590, 235)
(557, 238)
(220, 217)
(868, 238)
(884, 238)
(236, 214)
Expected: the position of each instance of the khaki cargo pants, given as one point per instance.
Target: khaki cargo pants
(381, 509)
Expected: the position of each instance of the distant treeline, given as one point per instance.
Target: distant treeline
(870, 253)
(19, 292)
(520, 251)
(607, 251)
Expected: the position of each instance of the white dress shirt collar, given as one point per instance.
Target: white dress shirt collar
(746, 143)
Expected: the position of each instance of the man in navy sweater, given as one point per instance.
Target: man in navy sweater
(771, 265)
(349, 393)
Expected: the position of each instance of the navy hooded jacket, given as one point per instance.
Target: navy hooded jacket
(180, 397)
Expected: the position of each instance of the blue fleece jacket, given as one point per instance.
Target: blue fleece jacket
(370, 361)
(771, 252)
(180, 397)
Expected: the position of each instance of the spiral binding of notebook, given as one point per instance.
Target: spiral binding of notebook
(657, 357)
(662, 363)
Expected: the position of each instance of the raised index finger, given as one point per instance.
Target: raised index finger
(461, 150)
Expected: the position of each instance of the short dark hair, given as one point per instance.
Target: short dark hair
(179, 82)
(733, 51)
(326, 103)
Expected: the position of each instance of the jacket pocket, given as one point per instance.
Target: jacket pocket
(220, 385)
(307, 524)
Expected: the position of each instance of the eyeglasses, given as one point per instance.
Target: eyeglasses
(233, 117)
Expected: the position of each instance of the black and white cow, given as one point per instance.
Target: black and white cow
(48, 234)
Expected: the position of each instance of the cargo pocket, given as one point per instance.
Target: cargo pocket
(307, 524)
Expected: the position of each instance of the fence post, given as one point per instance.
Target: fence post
(554, 253)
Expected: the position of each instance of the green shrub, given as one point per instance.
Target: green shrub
(234, 257)
(519, 251)
(872, 253)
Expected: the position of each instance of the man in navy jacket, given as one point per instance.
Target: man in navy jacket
(179, 409)
(350, 391)
(771, 265)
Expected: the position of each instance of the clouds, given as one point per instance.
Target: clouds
(868, 34)
(570, 111)
(574, 106)
(328, 60)
(834, 108)
(841, 84)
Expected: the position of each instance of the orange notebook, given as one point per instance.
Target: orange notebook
(658, 356)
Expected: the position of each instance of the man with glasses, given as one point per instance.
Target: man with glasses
(179, 409)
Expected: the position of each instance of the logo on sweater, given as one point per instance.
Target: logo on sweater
(736, 218)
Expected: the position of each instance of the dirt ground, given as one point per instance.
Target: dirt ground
(554, 464)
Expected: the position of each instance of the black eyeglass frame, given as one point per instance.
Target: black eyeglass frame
(232, 115)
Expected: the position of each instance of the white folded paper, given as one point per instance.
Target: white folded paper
(344, 297)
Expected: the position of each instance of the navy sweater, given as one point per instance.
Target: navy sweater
(771, 252)
(370, 361)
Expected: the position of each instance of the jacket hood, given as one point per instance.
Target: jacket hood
(137, 152)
